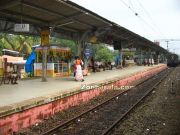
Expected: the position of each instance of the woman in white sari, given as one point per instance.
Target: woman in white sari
(79, 73)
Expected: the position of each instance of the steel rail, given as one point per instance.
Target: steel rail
(65, 124)
(107, 131)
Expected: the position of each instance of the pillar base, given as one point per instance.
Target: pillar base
(44, 79)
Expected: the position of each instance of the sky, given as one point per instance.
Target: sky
(155, 19)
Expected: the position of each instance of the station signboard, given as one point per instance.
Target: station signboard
(87, 53)
(21, 27)
(45, 37)
(93, 39)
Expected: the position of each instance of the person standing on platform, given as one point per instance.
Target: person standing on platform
(152, 61)
(93, 65)
(149, 62)
(145, 61)
(74, 66)
(123, 62)
(79, 73)
(117, 60)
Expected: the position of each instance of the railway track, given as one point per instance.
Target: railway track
(101, 119)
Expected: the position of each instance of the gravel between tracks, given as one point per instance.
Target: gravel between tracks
(159, 114)
(96, 122)
(69, 113)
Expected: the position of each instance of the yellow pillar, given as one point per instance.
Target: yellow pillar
(44, 43)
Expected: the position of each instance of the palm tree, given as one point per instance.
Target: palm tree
(20, 43)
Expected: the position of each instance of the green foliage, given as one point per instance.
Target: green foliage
(23, 44)
(18, 43)
(115, 53)
(64, 43)
(102, 53)
(1, 47)
(128, 53)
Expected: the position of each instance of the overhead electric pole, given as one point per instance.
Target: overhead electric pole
(167, 44)
(167, 41)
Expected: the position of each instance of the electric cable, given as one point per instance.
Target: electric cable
(148, 15)
(143, 20)
(129, 7)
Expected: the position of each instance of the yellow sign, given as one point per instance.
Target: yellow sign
(93, 39)
(44, 37)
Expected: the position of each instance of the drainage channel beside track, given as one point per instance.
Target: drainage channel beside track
(102, 118)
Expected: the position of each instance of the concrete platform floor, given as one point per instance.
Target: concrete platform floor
(30, 89)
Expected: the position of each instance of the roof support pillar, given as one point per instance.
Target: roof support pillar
(141, 57)
(121, 57)
(156, 58)
(44, 43)
(81, 43)
(79, 46)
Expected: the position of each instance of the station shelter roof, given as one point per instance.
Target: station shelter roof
(67, 19)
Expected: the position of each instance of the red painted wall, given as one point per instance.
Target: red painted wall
(26, 118)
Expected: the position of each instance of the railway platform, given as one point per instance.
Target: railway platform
(31, 101)
(35, 89)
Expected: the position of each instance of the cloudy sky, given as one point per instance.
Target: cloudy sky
(155, 19)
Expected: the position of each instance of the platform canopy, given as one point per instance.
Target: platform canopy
(66, 20)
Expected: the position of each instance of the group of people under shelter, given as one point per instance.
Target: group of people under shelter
(11, 73)
(80, 71)
(148, 62)
(96, 66)
(78, 67)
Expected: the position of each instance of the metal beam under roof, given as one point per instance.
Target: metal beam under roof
(66, 17)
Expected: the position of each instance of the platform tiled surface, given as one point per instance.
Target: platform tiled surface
(34, 89)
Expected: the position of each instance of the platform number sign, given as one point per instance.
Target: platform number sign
(87, 53)
(21, 27)
(44, 37)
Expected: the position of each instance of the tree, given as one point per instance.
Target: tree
(1, 47)
(23, 44)
(65, 43)
(5, 44)
(102, 53)
(20, 43)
